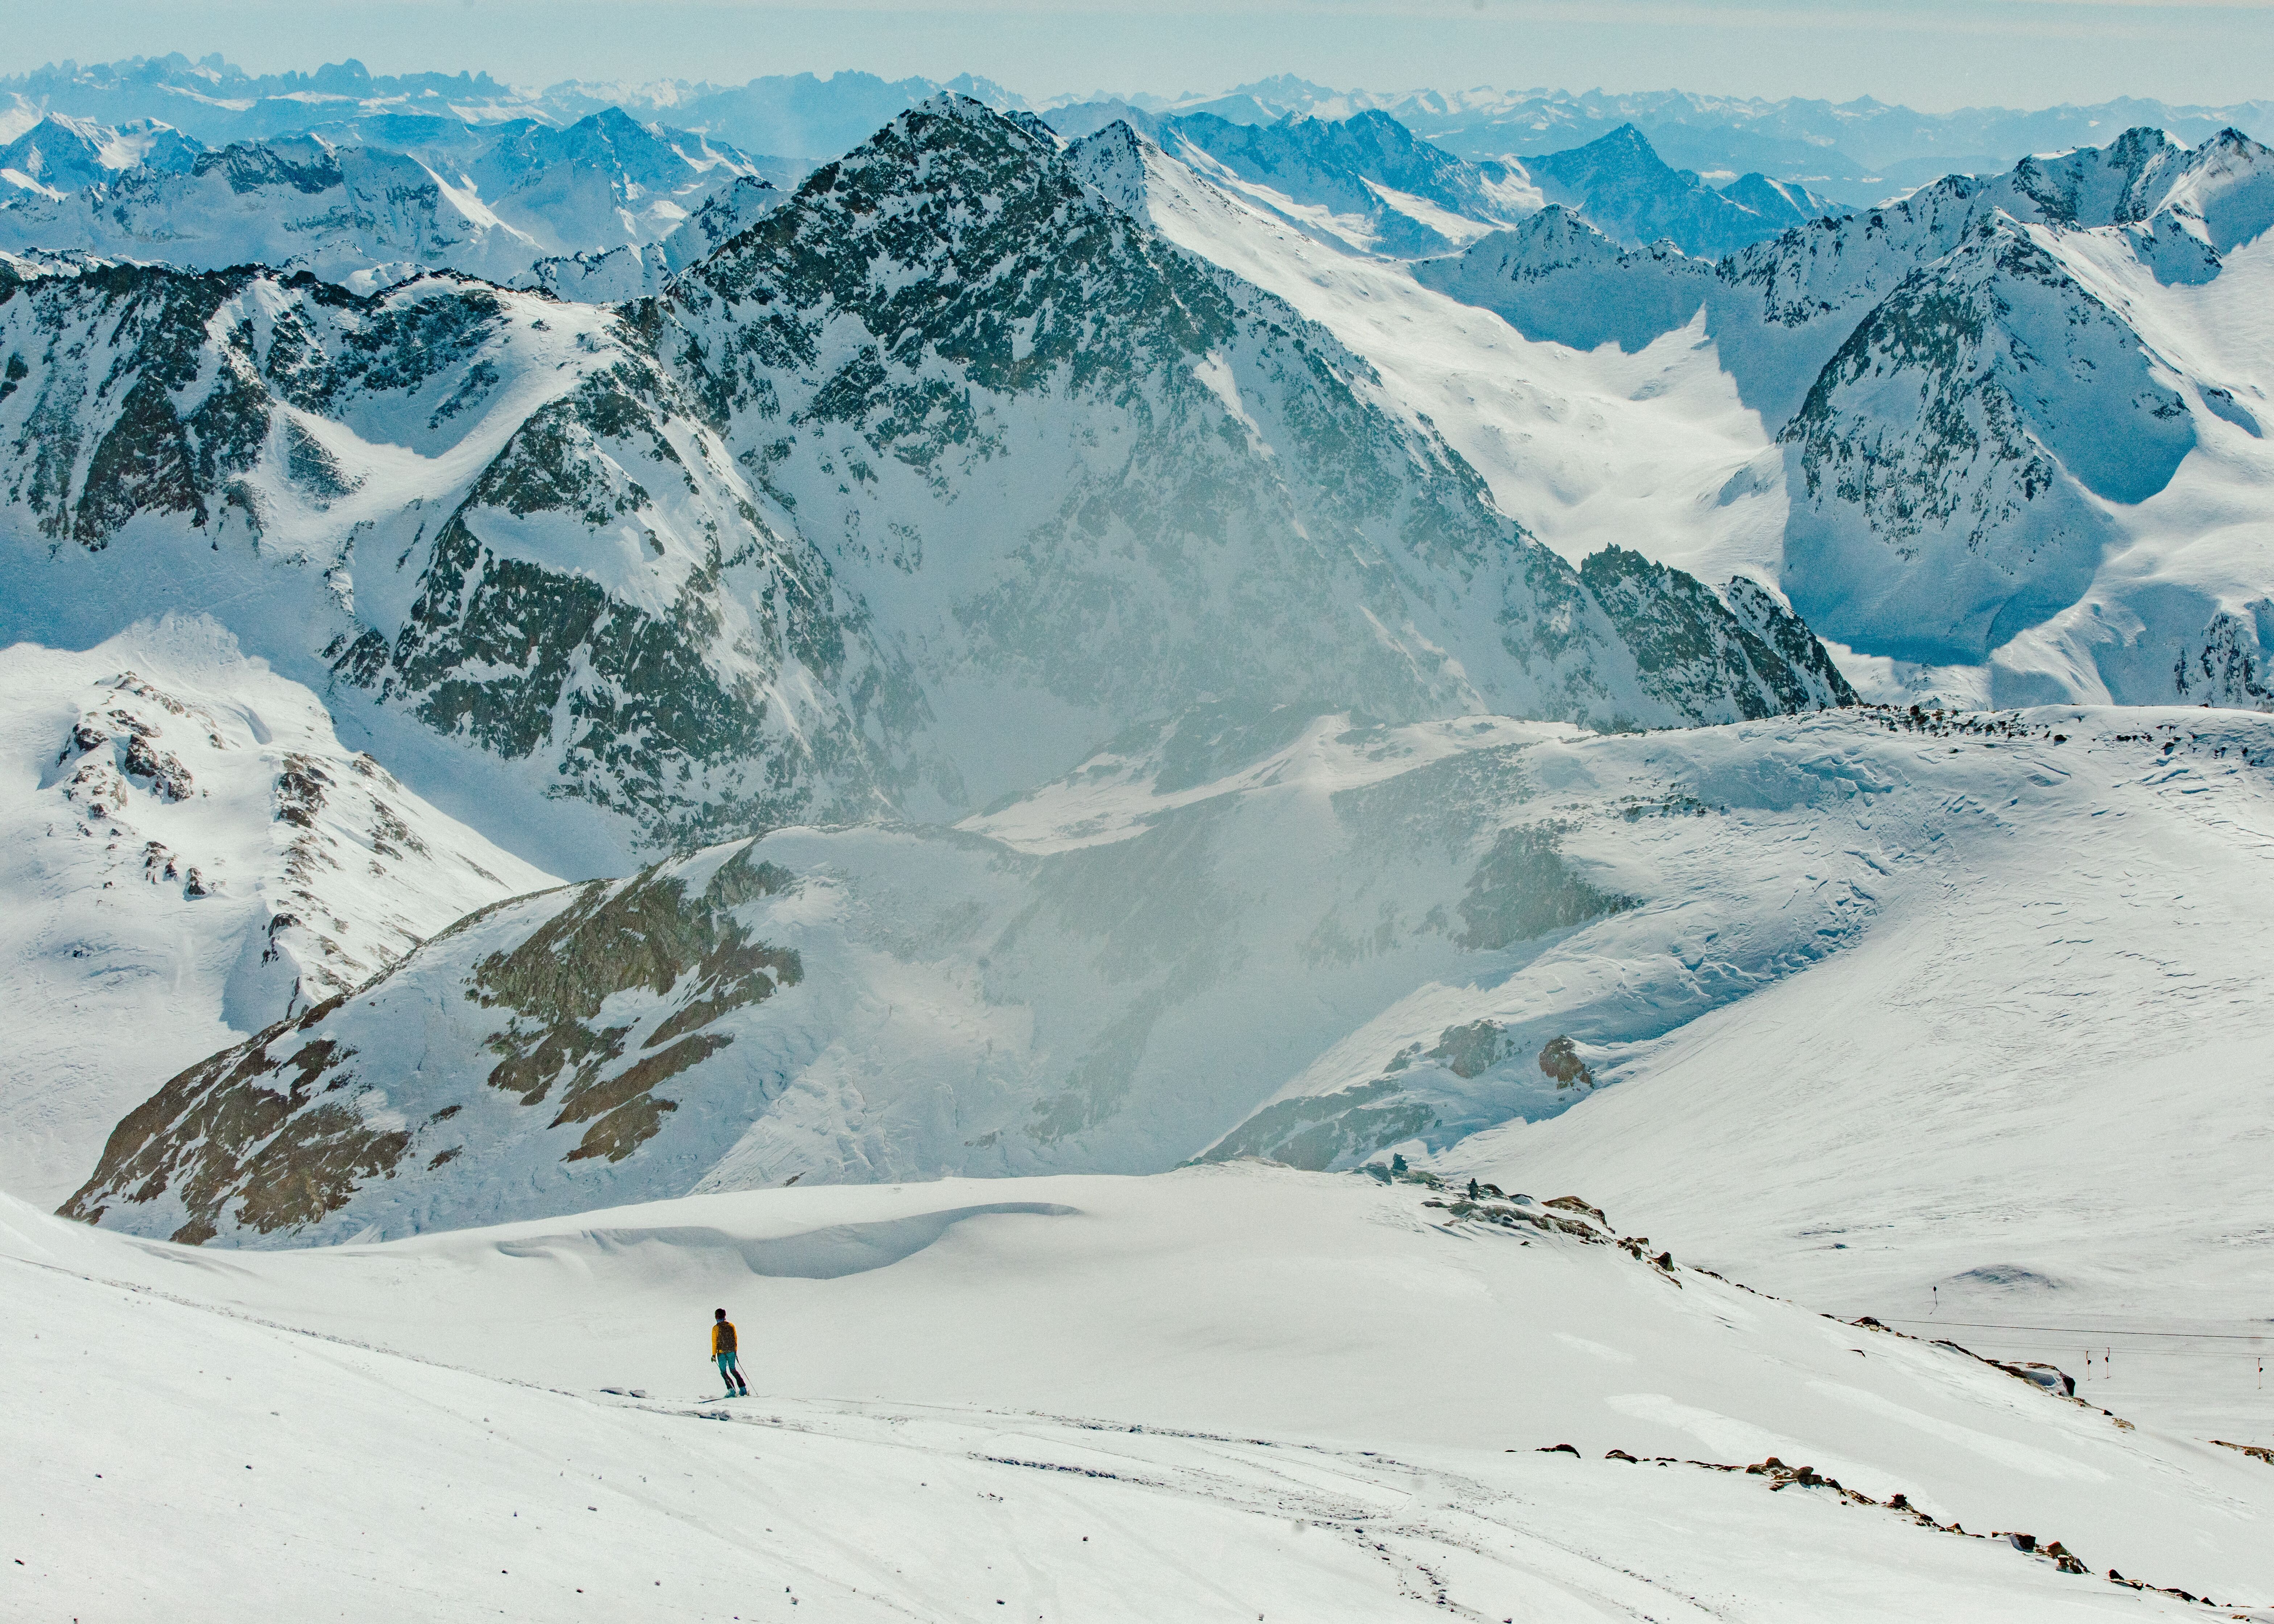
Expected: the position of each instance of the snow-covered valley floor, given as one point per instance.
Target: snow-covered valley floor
(1230, 1391)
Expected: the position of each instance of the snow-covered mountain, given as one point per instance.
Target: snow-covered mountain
(632, 271)
(1858, 152)
(1627, 192)
(2019, 419)
(60, 154)
(191, 855)
(1365, 182)
(912, 493)
(492, 514)
(1368, 183)
(1285, 935)
(793, 121)
(1397, 745)
(359, 212)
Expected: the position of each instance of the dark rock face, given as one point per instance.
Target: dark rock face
(252, 1141)
(1690, 648)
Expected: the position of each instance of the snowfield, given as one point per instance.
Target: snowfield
(1222, 1393)
(189, 854)
(2031, 1093)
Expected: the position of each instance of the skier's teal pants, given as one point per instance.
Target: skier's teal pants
(730, 1370)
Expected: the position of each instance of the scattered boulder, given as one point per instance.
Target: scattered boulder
(1559, 1058)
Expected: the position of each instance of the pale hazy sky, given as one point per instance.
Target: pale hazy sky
(1932, 54)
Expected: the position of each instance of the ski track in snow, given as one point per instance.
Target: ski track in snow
(1134, 1410)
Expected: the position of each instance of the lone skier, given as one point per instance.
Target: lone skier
(722, 1350)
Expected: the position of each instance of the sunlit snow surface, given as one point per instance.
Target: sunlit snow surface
(1120, 971)
(1223, 1394)
(149, 923)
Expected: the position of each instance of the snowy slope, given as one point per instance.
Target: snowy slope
(189, 855)
(1276, 934)
(346, 214)
(1366, 182)
(61, 153)
(2032, 1095)
(1222, 1393)
(1649, 447)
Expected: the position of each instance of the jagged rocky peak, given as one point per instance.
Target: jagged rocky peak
(2115, 185)
(2225, 189)
(1969, 423)
(1623, 187)
(1229, 504)
(577, 579)
(921, 483)
(1111, 161)
(2222, 191)
(1699, 651)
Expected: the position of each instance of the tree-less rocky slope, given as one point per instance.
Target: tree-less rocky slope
(907, 495)
(2020, 415)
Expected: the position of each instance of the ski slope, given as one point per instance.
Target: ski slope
(2032, 1094)
(1222, 1393)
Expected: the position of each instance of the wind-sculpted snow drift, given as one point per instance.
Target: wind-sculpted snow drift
(911, 492)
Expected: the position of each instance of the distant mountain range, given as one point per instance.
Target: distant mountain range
(1856, 152)
(371, 200)
(585, 210)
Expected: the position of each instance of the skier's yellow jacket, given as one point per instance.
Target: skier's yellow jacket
(722, 1338)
